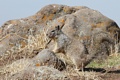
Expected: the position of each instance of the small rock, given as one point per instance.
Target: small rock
(48, 58)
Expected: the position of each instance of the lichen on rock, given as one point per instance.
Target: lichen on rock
(91, 34)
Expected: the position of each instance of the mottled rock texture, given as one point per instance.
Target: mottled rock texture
(48, 58)
(86, 35)
(37, 73)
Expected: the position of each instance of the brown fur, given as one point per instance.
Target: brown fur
(74, 49)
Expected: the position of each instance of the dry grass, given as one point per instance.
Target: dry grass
(10, 63)
(15, 67)
(81, 75)
(34, 43)
(38, 42)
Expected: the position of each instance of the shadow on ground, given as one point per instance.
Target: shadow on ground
(102, 70)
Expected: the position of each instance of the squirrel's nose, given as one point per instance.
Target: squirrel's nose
(47, 34)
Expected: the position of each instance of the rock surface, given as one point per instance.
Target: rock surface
(37, 73)
(48, 58)
(44, 64)
(25, 38)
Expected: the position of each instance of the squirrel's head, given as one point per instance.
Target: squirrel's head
(55, 32)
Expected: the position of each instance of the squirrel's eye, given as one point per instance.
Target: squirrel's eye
(53, 31)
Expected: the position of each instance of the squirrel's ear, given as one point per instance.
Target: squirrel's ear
(58, 27)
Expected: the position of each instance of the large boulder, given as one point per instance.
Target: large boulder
(26, 37)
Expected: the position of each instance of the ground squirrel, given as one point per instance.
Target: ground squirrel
(73, 49)
(61, 40)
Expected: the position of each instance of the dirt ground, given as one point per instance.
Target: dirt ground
(112, 75)
(108, 74)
